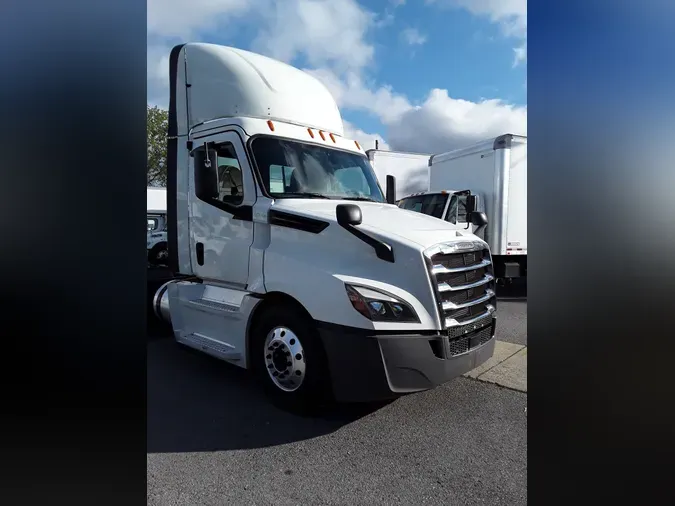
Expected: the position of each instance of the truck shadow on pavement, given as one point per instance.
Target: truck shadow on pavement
(196, 403)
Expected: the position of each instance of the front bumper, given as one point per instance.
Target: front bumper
(368, 367)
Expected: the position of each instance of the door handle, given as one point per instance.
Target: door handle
(200, 253)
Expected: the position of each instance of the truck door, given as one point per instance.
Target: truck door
(222, 193)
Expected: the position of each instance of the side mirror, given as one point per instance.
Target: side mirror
(348, 214)
(391, 189)
(471, 204)
(478, 219)
(206, 174)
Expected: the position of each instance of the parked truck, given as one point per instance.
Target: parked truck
(494, 171)
(156, 232)
(411, 170)
(288, 258)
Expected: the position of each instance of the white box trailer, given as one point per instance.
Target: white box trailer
(156, 230)
(496, 171)
(411, 170)
(289, 260)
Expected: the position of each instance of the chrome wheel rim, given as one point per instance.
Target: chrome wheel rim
(284, 359)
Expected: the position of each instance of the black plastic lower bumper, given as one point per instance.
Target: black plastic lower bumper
(365, 366)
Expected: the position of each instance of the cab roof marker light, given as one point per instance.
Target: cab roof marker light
(322, 135)
(270, 124)
(311, 134)
(332, 137)
(357, 144)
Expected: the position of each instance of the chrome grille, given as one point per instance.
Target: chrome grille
(465, 329)
(462, 344)
(464, 283)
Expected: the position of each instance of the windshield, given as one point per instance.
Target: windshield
(432, 204)
(292, 169)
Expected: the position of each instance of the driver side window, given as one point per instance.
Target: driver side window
(222, 182)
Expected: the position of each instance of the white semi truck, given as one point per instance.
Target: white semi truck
(289, 261)
(156, 232)
(494, 171)
(411, 170)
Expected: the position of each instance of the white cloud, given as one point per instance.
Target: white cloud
(386, 18)
(187, 19)
(510, 15)
(173, 21)
(442, 123)
(158, 74)
(366, 140)
(351, 92)
(413, 37)
(520, 54)
(326, 32)
(333, 38)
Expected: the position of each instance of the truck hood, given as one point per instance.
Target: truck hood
(381, 219)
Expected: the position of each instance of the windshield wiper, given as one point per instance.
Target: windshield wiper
(303, 194)
(364, 199)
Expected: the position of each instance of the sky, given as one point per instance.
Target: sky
(423, 76)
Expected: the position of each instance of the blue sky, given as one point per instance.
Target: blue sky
(419, 75)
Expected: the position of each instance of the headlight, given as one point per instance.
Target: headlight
(379, 306)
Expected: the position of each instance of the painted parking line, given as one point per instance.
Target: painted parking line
(507, 367)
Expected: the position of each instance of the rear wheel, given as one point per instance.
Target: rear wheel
(288, 359)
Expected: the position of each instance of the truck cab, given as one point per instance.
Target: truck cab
(460, 208)
(157, 245)
(290, 260)
(495, 170)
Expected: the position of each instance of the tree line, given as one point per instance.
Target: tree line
(158, 127)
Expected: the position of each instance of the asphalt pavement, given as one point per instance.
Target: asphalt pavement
(512, 313)
(213, 438)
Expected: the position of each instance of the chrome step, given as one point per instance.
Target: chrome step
(206, 343)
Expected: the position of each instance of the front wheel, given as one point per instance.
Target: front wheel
(289, 360)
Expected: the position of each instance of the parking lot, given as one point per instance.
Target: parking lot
(214, 439)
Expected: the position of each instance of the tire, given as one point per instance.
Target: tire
(159, 254)
(283, 330)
